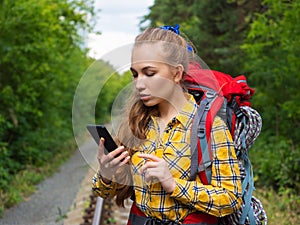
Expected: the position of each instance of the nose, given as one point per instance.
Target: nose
(139, 82)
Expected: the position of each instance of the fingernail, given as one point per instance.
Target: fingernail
(125, 153)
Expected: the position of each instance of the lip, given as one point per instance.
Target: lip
(144, 97)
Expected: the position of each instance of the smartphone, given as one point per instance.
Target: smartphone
(98, 131)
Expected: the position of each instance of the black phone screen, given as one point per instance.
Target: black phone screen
(98, 131)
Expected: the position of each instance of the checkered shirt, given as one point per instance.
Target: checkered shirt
(220, 198)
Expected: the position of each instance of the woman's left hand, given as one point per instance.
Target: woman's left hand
(156, 167)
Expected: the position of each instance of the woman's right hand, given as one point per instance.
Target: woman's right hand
(110, 163)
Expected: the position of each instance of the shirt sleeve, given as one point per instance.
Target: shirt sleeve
(223, 195)
(102, 189)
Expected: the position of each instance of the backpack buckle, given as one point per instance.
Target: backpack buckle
(201, 133)
(210, 94)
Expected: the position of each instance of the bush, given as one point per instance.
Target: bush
(276, 163)
(42, 60)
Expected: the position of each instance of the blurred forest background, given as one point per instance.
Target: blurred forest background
(43, 57)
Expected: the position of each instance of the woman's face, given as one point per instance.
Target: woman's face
(154, 79)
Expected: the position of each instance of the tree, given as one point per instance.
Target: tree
(42, 59)
(272, 49)
(216, 28)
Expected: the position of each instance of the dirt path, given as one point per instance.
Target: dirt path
(54, 197)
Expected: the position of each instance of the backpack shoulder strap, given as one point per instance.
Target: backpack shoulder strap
(201, 156)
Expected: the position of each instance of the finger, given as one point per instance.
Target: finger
(121, 156)
(115, 156)
(148, 165)
(101, 147)
(144, 168)
(125, 161)
(150, 174)
(115, 163)
(117, 152)
(110, 156)
(147, 175)
(100, 153)
(151, 161)
(118, 161)
(118, 156)
(149, 157)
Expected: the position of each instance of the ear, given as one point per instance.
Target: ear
(178, 73)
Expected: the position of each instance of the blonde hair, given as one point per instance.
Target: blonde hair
(133, 129)
(173, 46)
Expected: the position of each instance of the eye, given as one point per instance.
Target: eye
(150, 73)
(134, 73)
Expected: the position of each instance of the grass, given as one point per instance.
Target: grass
(281, 208)
(24, 182)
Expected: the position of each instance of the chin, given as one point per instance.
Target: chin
(150, 103)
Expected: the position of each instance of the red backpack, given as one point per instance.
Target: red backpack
(218, 94)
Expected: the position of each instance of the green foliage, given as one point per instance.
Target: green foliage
(95, 96)
(273, 50)
(216, 28)
(272, 47)
(280, 206)
(113, 86)
(42, 60)
(276, 163)
(261, 40)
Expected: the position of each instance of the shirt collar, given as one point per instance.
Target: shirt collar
(186, 115)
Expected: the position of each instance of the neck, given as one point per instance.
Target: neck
(169, 109)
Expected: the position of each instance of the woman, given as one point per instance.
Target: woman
(155, 142)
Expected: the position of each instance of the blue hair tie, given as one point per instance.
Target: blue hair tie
(175, 29)
(189, 48)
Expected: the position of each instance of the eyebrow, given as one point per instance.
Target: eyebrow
(144, 68)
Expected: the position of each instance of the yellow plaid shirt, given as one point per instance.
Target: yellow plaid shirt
(220, 198)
